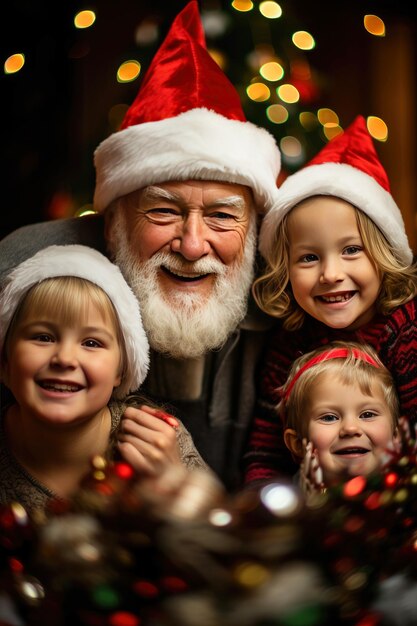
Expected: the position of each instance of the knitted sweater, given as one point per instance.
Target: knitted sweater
(394, 337)
(18, 485)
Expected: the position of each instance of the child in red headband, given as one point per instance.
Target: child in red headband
(340, 412)
(338, 267)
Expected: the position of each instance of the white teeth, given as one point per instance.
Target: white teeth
(60, 387)
(341, 298)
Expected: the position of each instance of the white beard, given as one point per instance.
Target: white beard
(187, 325)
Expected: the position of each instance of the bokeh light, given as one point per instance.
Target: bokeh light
(303, 40)
(288, 93)
(327, 116)
(123, 618)
(84, 19)
(128, 71)
(220, 517)
(292, 151)
(242, 5)
(14, 63)
(147, 32)
(354, 487)
(374, 25)
(377, 128)
(331, 130)
(250, 574)
(280, 499)
(259, 92)
(277, 114)
(308, 120)
(271, 10)
(272, 71)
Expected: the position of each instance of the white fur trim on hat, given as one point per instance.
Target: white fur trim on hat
(83, 262)
(345, 182)
(197, 144)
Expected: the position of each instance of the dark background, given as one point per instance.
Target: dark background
(56, 109)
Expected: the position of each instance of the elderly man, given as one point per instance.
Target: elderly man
(179, 192)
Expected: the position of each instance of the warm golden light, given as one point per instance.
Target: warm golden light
(128, 71)
(242, 5)
(331, 130)
(84, 19)
(308, 120)
(327, 116)
(303, 40)
(14, 63)
(288, 93)
(374, 25)
(272, 71)
(251, 574)
(377, 128)
(258, 92)
(270, 9)
(277, 114)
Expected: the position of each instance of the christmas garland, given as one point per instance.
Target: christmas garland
(127, 552)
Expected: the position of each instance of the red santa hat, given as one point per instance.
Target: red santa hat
(347, 167)
(186, 123)
(83, 262)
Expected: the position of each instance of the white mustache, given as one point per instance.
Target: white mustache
(176, 264)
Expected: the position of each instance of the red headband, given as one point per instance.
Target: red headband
(335, 353)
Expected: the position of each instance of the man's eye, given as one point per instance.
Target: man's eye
(221, 215)
(162, 210)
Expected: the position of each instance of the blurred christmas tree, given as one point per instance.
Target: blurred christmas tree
(264, 50)
(78, 79)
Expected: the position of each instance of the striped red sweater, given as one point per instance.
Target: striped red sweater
(394, 337)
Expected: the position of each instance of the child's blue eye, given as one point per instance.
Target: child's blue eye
(328, 418)
(352, 250)
(308, 258)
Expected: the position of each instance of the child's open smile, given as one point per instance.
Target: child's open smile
(332, 277)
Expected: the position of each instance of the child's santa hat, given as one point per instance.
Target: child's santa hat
(186, 123)
(83, 262)
(347, 167)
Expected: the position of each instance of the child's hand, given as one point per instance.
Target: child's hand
(148, 440)
(311, 475)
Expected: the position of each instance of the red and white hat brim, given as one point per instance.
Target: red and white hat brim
(197, 144)
(348, 183)
(83, 262)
